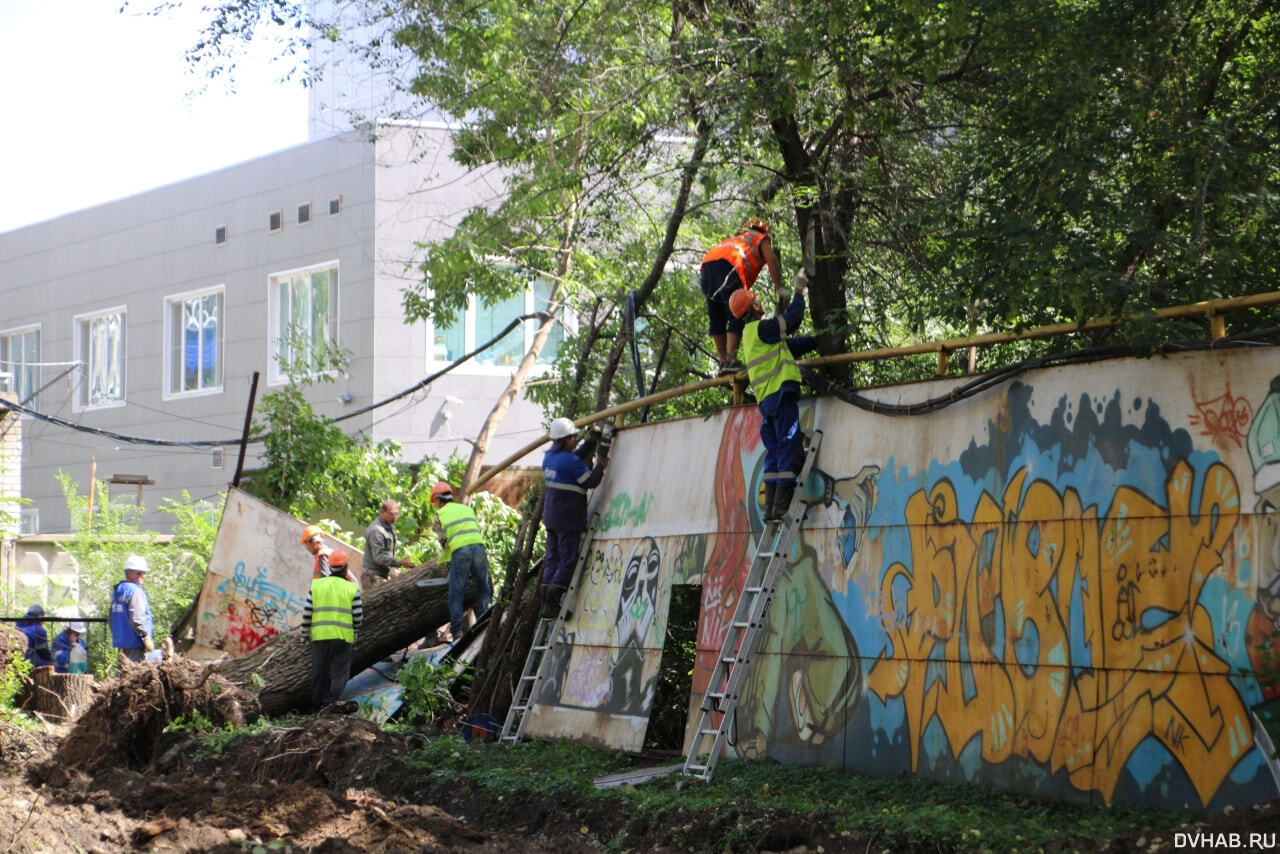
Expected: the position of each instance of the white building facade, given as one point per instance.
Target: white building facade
(145, 318)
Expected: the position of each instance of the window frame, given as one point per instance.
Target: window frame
(275, 374)
(6, 362)
(470, 342)
(80, 336)
(171, 370)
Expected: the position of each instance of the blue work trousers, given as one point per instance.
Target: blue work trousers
(467, 563)
(562, 554)
(783, 441)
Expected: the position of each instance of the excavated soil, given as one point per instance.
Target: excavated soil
(334, 784)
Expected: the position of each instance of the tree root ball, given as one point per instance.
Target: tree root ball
(128, 714)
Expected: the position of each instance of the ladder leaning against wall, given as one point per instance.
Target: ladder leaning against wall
(743, 636)
(544, 637)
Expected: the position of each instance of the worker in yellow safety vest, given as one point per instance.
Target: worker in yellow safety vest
(464, 550)
(728, 267)
(775, 380)
(330, 618)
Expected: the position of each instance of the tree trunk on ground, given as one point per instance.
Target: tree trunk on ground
(60, 696)
(397, 614)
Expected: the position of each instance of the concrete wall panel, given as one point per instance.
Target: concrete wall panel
(1066, 586)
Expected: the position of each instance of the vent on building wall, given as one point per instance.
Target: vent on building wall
(219, 235)
(304, 213)
(276, 221)
(335, 206)
(216, 462)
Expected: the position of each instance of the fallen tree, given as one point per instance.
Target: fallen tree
(397, 614)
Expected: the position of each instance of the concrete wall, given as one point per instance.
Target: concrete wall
(1062, 587)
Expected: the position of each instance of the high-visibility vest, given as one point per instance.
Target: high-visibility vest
(743, 252)
(460, 527)
(768, 365)
(332, 598)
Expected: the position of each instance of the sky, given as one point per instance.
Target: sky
(98, 104)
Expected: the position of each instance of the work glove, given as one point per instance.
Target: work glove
(802, 281)
(148, 645)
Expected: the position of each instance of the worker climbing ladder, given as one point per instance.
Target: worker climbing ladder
(734, 659)
(544, 638)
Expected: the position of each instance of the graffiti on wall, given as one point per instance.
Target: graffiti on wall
(1069, 594)
(1073, 595)
(607, 657)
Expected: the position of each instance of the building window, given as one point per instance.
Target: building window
(219, 235)
(275, 221)
(335, 206)
(193, 328)
(100, 351)
(304, 322)
(480, 323)
(304, 213)
(29, 520)
(20, 358)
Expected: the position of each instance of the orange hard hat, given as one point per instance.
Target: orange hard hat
(310, 532)
(740, 301)
(441, 489)
(755, 223)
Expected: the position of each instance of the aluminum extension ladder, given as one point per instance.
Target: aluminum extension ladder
(544, 636)
(734, 660)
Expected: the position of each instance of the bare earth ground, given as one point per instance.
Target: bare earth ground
(333, 784)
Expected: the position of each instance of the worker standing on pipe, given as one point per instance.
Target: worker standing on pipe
(730, 266)
(567, 477)
(775, 380)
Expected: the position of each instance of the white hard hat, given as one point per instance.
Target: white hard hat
(78, 627)
(135, 563)
(561, 428)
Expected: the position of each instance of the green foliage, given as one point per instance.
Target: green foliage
(100, 545)
(11, 679)
(214, 739)
(427, 695)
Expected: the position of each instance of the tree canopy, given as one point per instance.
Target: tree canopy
(961, 168)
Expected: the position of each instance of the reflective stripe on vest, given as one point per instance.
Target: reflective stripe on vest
(567, 487)
(743, 252)
(768, 365)
(332, 598)
(460, 526)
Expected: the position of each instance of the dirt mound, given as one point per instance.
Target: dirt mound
(128, 715)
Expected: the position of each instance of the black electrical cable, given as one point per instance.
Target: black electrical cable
(826, 385)
(208, 443)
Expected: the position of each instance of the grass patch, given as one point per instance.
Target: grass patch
(749, 804)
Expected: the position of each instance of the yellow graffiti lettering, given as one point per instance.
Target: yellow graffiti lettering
(981, 631)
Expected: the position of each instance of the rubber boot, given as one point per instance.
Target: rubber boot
(770, 490)
(782, 500)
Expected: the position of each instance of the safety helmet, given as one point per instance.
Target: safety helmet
(135, 563)
(741, 300)
(562, 428)
(77, 627)
(442, 490)
(755, 223)
(35, 612)
(310, 532)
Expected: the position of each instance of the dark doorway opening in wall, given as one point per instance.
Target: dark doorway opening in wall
(675, 673)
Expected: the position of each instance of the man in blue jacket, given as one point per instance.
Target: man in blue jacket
(775, 380)
(132, 623)
(32, 625)
(566, 477)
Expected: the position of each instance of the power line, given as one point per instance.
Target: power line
(213, 443)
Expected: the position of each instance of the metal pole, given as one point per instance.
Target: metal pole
(244, 435)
